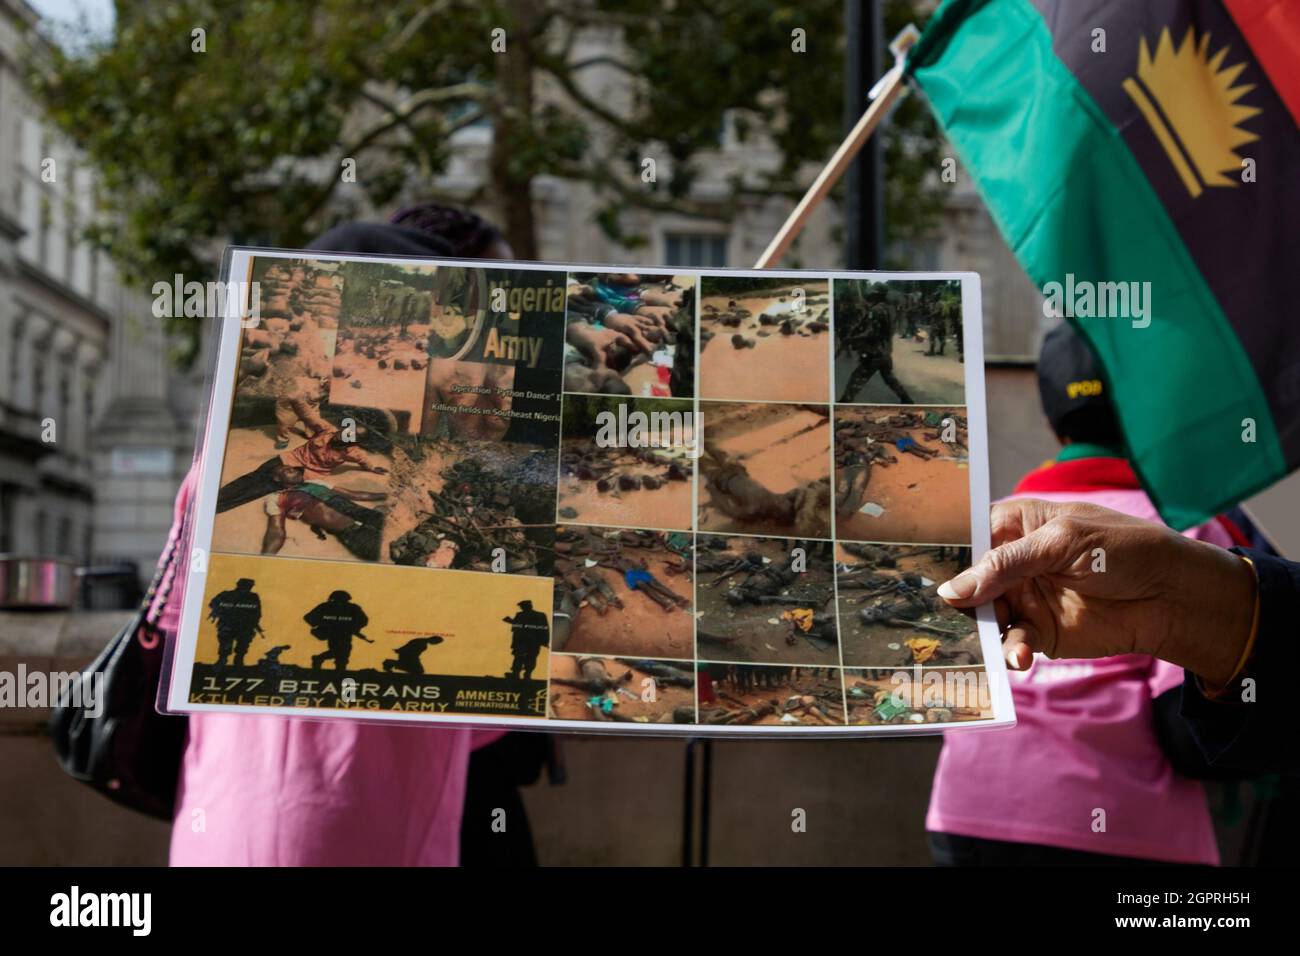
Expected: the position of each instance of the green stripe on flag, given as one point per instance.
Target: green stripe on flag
(1069, 197)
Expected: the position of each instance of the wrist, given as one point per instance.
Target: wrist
(1212, 605)
(1218, 689)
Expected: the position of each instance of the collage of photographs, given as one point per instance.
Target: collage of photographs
(744, 490)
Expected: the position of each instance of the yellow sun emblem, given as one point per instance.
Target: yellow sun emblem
(1192, 107)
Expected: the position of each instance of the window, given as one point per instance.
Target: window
(6, 518)
(38, 385)
(88, 404)
(15, 365)
(695, 249)
(65, 399)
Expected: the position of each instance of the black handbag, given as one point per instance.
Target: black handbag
(130, 752)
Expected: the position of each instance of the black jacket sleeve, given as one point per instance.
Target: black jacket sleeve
(1249, 728)
(1179, 745)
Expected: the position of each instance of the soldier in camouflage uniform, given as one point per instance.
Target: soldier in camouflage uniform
(936, 327)
(896, 301)
(954, 324)
(870, 336)
(914, 309)
(415, 307)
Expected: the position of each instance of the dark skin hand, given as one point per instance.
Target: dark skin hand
(659, 313)
(635, 330)
(595, 344)
(672, 300)
(1081, 581)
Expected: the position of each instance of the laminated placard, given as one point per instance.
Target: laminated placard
(589, 498)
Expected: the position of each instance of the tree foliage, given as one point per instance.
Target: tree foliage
(247, 141)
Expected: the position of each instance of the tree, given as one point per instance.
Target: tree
(263, 122)
(914, 194)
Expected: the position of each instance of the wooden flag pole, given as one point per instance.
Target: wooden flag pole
(886, 93)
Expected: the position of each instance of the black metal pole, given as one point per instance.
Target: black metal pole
(864, 198)
(690, 854)
(706, 799)
(688, 805)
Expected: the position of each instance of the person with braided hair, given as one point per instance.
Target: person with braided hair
(468, 235)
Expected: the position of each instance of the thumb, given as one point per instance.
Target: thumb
(1019, 643)
(1002, 568)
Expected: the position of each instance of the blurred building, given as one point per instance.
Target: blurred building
(565, 209)
(966, 240)
(1014, 325)
(83, 353)
(90, 447)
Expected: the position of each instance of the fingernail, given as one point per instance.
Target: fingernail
(962, 586)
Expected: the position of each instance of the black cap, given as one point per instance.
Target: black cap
(1073, 389)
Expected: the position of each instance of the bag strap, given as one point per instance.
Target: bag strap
(160, 588)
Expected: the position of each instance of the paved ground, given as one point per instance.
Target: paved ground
(929, 379)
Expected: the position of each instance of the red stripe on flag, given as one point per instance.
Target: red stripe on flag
(1272, 28)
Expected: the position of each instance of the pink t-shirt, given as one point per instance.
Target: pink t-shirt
(1084, 742)
(279, 791)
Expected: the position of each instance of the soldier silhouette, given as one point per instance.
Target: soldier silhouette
(272, 657)
(336, 622)
(238, 615)
(529, 632)
(407, 657)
